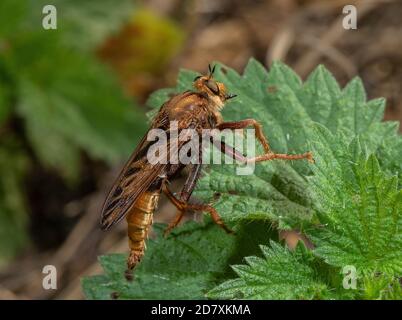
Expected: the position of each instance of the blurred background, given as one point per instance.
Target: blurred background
(73, 103)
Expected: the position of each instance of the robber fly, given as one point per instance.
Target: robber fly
(135, 193)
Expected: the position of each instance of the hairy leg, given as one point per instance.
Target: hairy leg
(185, 195)
(184, 206)
(237, 155)
(248, 123)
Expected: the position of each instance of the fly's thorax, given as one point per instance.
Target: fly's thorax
(215, 116)
(216, 102)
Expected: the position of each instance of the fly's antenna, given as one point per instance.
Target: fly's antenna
(211, 70)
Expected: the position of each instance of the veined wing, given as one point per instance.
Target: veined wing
(135, 178)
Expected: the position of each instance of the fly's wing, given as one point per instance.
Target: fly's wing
(134, 179)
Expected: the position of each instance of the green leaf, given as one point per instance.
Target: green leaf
(184, 266)
(381, 287)
(360, 207)
(280, 274)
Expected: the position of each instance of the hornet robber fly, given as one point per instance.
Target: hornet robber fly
(135, 193)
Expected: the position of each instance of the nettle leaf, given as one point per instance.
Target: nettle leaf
(360, 207)
(280, 274)
(185, 265)
(287, 108)
(359, 210)
(381, 287)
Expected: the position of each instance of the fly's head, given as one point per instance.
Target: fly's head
(214, 90)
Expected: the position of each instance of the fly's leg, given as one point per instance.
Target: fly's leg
(283, 156)
(185, 206)
(185, 195)
(173, 224)
(248, 123)
(237, 155)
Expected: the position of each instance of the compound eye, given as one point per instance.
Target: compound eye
(196, 78)
(212, 86)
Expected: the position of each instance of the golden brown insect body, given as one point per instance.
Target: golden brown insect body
(139, 220)
(135, 193)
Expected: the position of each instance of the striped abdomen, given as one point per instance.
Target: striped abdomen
(139, 221)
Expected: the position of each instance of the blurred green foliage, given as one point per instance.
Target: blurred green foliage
(13, 166)
(57, 100)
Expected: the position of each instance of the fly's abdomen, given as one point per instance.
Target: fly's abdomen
(139, 221)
